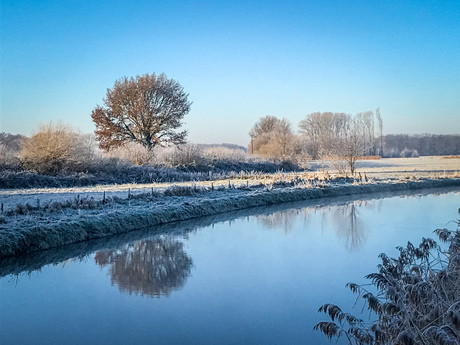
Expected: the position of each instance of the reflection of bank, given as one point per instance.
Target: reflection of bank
(151, 267)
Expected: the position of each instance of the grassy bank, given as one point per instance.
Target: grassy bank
(36, 230)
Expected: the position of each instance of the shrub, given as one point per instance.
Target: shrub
(175, 156)
(132, 152)
(8, 158)
(224, 153)
(55, 148)
(417, 299)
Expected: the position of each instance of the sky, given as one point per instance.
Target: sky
(237, 60)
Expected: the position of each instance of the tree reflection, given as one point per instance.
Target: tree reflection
(342, 218)
(279, 220)
(152, 267)
(350, 227)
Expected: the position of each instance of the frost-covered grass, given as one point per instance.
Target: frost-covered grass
(42, 218)
(117, 172)
(29, 227)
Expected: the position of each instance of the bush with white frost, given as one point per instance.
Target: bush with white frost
(8, 158)
(417, 299)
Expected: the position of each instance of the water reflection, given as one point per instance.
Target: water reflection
(349, 226)
(343, 217)
(283, 221)
(153, 267)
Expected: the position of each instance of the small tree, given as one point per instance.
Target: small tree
(147, 109)
(353, 144)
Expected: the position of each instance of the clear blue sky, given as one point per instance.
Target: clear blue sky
(238, 60)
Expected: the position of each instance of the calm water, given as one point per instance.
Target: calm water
(253, 277)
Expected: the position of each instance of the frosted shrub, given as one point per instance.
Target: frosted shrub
(175, 156)
(224, 153)
(417, 299)
(339, 164)
(8, 158)
(131, 152)
(406, 153)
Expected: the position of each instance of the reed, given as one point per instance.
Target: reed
(417, 299)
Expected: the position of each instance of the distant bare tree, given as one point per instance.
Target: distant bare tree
(273, 138)
(283, 138)
(12, 142)
(8, 157)
(380, 127)
(366, 126)
(265, 125)
(339, 136)
(353, 144)
(146, 109)
(321, 131)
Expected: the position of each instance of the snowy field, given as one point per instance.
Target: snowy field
(381, 169)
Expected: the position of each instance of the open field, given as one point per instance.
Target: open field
(419, 167)
(402, 168)
(432, 167)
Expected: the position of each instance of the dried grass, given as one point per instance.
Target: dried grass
(368, 158)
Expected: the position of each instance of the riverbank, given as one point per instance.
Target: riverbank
(33, 228)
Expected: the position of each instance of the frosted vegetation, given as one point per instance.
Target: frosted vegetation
(414, 298)
(57, 156)
(42, 225)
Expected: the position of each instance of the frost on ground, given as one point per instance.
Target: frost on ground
(30, 227)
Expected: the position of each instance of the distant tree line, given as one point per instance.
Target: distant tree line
(404, 145)
(332, 136)
(342, 139)
(140, 122)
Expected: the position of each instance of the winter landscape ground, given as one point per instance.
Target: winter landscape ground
(38, 219)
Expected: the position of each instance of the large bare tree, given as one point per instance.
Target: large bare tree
(321, 131)
(146, 109)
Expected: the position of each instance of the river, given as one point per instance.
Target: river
(256, 276)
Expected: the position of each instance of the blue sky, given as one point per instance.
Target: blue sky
(238, 60)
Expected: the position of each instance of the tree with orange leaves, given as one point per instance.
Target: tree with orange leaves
(146, 109)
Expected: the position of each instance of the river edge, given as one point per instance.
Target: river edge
(29, 233)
